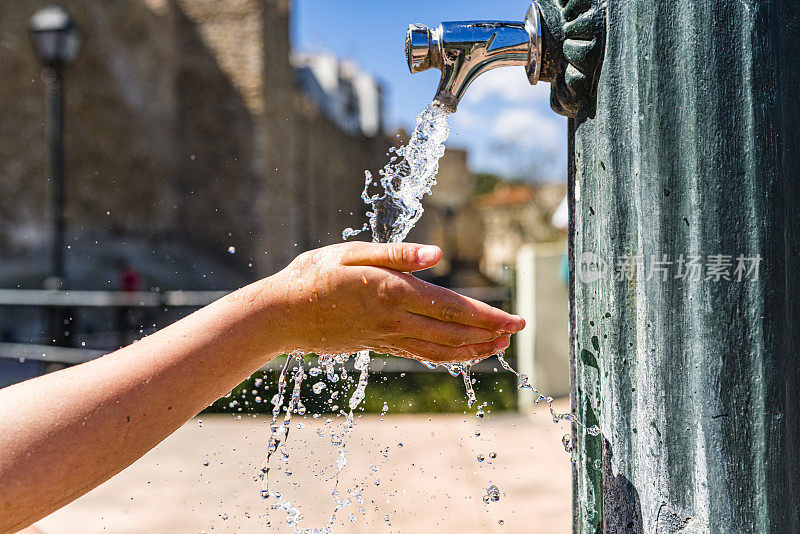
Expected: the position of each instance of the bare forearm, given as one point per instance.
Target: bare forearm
(65, 433)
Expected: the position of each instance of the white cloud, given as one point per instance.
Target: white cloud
(466, 118)
(527, 127)
(509, 84)
(509, 128)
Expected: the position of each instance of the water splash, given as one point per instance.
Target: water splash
(524, 383)
(329, 364)
(405, 180)
(362, 366)
(279, 433)
(462, 369)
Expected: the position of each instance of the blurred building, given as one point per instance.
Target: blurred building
(350, 97)
(452, 221)
(187, 135)
(523, 247)
(513, 215)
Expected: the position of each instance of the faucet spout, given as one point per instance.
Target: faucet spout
(465, 50)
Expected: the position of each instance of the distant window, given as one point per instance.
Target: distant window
(350, 96)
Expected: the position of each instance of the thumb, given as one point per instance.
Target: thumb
(405, 257)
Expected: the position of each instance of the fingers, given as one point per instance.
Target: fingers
(445, 305)
(434, 352)
(443, 333)
(404, 257)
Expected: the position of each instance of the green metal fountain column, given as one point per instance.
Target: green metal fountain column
(688, 160)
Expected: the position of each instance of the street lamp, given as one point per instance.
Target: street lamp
(56, 42)
(55, 36)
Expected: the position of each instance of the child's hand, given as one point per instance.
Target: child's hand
(355, 296)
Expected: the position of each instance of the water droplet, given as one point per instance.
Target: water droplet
(231, 250)
(480, 458)
(566, 442)
(318, 387)
(492, 494)
(492, 455)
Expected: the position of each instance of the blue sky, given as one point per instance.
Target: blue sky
(505, 123)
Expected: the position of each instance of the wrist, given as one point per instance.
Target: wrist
(267, 316)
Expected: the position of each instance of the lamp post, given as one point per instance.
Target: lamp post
(56, 42)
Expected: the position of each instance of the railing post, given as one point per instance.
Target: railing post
(526, 307)
(690, 161)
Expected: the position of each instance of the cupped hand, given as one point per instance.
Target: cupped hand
(356, 296)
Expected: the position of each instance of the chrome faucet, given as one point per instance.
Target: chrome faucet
(465, 50)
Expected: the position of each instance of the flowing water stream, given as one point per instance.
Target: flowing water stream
(395, 208)
(395, 201)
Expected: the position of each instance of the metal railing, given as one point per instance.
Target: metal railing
(165, 300)
(107, 299)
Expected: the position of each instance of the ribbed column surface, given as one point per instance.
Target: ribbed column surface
(686, 272)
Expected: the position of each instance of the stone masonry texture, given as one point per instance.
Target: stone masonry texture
(183, 124)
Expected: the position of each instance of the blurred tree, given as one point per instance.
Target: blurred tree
(486, 182)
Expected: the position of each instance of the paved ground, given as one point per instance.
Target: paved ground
(432, 483)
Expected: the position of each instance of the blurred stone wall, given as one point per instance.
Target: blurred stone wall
(452, 221)
(120, 112)
(183, 123)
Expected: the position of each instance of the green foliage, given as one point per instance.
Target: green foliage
(422, 392)
(486, 182)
